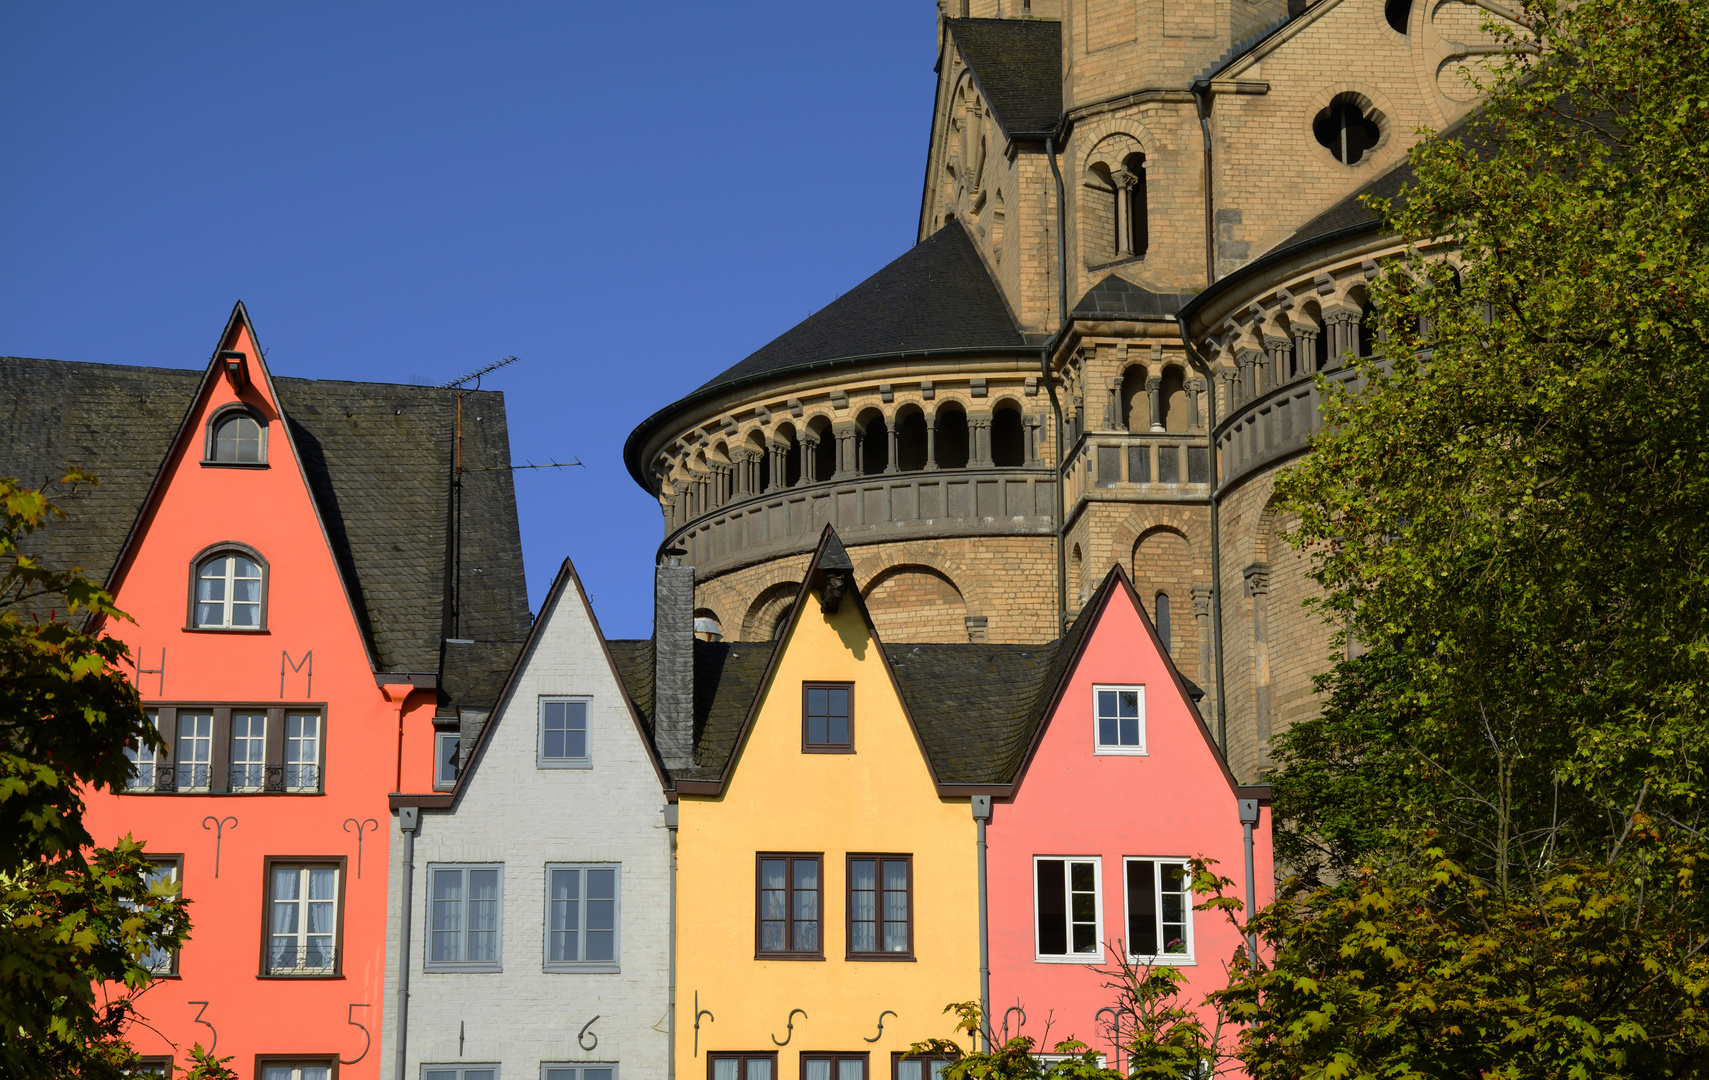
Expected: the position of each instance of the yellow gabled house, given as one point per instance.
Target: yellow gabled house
(827, 883)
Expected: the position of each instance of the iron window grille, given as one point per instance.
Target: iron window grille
(243, 749)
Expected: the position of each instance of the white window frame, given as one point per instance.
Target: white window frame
(184, 768)
(304, 871)
(1095, 957)
(1170, 959)
(249, 768)
(540, 758)
(149, 758)
(228, 560)
(611, 966)
(430, 964)
(314, 762)
(296, 1067)
(440, 782)
(579, 1066)
(1102, 749)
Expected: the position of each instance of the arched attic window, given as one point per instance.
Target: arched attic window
(229, 589)
(236, 436)
(1161, 607)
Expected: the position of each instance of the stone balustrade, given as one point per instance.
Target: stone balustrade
(1151, 465)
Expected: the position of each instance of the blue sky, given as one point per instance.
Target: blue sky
(628, 196)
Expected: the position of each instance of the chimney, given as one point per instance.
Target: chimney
(673, 663)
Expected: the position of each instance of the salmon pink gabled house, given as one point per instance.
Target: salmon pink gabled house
(1120, 784)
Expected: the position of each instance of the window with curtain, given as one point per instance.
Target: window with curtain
(248, 751)
(761, 1066)
(840, 1066)
(919, 1066)
(787, 914)
(146, 761)
(228, 592)
(302, 919)
(167, 869)
(880, 906)
(302, 751)
(581, 917)
(320, 1069)
(463, 919)
(459, 1072)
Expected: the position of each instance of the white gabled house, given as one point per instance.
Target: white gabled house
(538, 919)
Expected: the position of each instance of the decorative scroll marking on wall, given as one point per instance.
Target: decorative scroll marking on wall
(584, 1031)
(880, 1035)
(361, 827)
(367, 1039)
(308, 660)
(198, 1020)
(160, 687)
(1022, 1024)
(219, 825)
(459, 1038)
(1114, 1024)
(789, 1032)
(698, 1013)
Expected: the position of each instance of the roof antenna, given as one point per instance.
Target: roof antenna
(457, 493)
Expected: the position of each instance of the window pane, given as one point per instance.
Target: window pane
(477, 1074)
(283, 1072)
(315, 1072)
(563, 1074)
(816, 1069)
(302, 751)
(726, 1069)
(602, 914)
(1083, 906)
(437, 1074)
(1141, 908)
(596, 1074)
(483, 916)
(863, 905)
(816, 730)
(759, 1069)
(575, 729)
(817, 701)
(565, 915)
(447, 920)
(851, 1069)
(1052, 908)
(908, 1070)
(1107, 731)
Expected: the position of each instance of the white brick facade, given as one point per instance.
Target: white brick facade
(513, 812)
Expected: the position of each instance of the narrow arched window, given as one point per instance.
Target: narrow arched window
(1132, 216)
(1163, 622)
(237, 437)
(230, 591)
(1008, 437)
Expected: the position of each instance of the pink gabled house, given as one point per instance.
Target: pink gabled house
(1121, 784)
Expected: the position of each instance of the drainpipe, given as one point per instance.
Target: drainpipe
(1200, 365)
(982, 816)
(1200, 90)
(671, 819)
(1249, 818)
(1050, 385)
(409, 819)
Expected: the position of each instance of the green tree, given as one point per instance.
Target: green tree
(1499, 814)
(75, 920)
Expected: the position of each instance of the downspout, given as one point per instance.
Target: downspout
(981, 816)
(1050, 385)
(409, 819)
(1199, 364)
(671, 819)
(1249, 818)
(1200, 90)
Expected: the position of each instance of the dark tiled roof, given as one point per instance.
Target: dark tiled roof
(974, 705)
(377, 457)
(1350, 211)
(1018, 66)
(938, 295)
(726, 680)
(1119, 298)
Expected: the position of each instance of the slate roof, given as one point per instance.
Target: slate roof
(1118, 298)
(1018, 66)
(378, 461)
(936, 295)
(727, 678)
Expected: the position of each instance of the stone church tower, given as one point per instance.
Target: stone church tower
(1101, 334)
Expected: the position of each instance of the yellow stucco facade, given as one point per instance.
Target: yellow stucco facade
(881, 799)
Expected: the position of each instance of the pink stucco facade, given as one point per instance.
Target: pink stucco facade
(1171, 799)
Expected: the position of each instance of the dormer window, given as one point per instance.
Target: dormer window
(237, 437)
(230, 591)
(827, 720)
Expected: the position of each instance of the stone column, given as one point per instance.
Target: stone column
(1257, 578)
(1343, 336)
(932, 444)
(1035, 439)
(779, 459)
(1113, 407)
(979, 434)
(1249, 377)
(1227, 377)
(1281, 351)
(1154, 391)
(809, 451)
(890, 465)
(1207, 644)
(1195, 387)
(848, 463)
(1124, 210)
(1305, 349)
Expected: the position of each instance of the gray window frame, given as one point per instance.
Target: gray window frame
(616, 1074)
(455, 966)
(441, 783)
(461, 1068)
(599, 967)
(540, 759)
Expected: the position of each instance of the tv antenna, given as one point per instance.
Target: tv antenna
(462, 389)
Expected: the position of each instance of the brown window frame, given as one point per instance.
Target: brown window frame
(834, 1056)
(219, 758)
(897, 1057)
(789, 858)
(827, 747)
(264, 1060)
(146, 1063)
(742, 1056)
(263, 972)
(848, 894)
